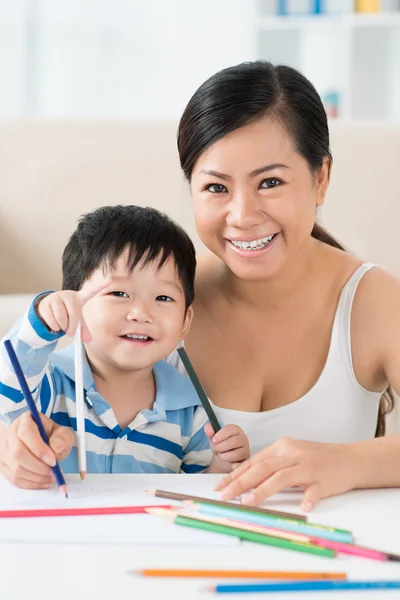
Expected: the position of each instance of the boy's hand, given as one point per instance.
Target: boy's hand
(25, 460)
(230, 447)
(62, 311)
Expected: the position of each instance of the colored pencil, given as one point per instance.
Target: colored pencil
(238, 507)
(304, 586)
(242, 534)
(297, 575)
(356, 550)
(199, 389)
(33, 410)
(278, 533)
(76, 512)
(310, 529)
(80, 403)
(339, 547)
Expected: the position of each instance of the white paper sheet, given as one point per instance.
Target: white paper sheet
(107, 490)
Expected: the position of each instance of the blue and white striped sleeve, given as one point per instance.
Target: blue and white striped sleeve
(33, 343)
(197, 454)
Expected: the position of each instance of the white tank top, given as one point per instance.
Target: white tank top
(337, 409)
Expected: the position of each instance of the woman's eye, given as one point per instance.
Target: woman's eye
(216, 188)
(164, 299)
(271, 182)
(119, 294)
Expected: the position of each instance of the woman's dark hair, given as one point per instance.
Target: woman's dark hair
(244, 94)
(149, 235)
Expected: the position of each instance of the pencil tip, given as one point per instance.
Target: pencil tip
(394, 557)
(63, 488)
(151, 492)
(82, 475)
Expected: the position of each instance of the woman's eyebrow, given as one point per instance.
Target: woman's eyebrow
(215, 174)
(254, 173)
(266, 168)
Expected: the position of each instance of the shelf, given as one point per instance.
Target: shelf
(386, 19)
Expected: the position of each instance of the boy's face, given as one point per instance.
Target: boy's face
(137, 320)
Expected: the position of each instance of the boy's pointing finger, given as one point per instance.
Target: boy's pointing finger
(91, 288)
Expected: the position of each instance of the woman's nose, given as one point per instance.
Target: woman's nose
(244, 211)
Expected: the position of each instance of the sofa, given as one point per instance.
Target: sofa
(52, 171)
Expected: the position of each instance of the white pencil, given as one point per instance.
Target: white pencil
(80, 403)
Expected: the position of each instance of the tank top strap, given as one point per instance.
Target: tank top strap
(341, 335)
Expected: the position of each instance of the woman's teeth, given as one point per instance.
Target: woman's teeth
(254, 244)
(137, 337)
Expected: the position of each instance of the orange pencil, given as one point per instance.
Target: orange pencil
(295, 575)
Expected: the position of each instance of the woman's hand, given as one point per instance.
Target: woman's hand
(319, 469)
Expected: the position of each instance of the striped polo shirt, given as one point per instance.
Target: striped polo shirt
(169, 438)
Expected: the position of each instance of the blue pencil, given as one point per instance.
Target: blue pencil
(34, 411)
(305, 586)
(275, 522)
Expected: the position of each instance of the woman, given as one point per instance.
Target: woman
(294, 339)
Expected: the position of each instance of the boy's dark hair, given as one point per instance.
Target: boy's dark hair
(149, 235)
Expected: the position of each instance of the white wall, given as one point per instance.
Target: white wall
(128, 58)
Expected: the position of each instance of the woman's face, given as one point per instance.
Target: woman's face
(255, 199)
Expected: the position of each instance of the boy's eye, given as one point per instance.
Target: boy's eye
(164, 299)
(269, 183)
(216, 188)
(119, 294)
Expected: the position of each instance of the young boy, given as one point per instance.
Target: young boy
(128, 276)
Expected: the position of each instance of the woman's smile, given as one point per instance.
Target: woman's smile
(254, 248)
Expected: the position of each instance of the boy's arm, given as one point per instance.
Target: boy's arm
(197, 454)
(33, 343)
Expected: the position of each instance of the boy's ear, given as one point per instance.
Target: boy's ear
(187, 322)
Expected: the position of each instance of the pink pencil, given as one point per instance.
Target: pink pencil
(76, 512)
(353, 549)
(340, 547)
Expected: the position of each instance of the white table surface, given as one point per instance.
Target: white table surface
(101, 571)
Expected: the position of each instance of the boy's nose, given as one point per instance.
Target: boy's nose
(141, 313)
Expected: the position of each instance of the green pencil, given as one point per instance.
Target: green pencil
(249, 536)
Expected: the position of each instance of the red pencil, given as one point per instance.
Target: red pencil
(77, 512)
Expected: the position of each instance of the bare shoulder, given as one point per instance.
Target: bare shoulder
(376, 330)
(378, 290)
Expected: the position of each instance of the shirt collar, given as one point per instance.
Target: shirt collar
(174, 391)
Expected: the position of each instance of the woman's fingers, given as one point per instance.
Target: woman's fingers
(254, 476)
(274, 484)
(312, 496)
(222, 483)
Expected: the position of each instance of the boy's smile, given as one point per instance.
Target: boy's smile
(138, 319)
